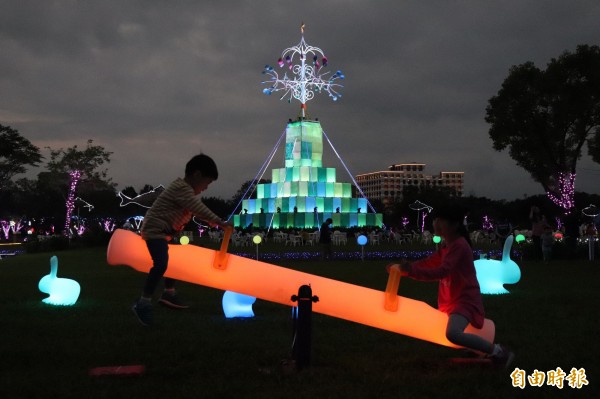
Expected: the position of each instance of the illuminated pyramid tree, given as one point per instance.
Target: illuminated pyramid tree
(303, 193)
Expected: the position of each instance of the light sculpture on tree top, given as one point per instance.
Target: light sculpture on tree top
(308, 75)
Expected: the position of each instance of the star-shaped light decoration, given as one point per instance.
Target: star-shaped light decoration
(305, 64)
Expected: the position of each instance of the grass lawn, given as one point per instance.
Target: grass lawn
(549, 319)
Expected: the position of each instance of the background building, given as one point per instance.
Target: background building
(388, 185)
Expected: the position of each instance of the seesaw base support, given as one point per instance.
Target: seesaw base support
(301, 346)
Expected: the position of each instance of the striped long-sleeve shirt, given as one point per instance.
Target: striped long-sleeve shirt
(173, 209)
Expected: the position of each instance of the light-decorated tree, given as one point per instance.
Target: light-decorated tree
(545, 118)
(79, 165)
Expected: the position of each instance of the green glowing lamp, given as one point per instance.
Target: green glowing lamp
(520, 238)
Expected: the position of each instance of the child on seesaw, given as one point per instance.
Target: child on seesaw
(168, 215)
(459, 294)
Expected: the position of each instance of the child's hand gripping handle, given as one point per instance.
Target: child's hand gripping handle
(391, 290)
(221, 256)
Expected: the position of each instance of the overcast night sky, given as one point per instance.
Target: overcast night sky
(156, 82)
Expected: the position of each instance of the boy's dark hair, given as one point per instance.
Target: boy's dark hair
(204, 164)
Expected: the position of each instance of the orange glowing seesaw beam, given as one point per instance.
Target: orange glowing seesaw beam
(228, 272)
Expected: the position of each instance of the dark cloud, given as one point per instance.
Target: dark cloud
(156, 82)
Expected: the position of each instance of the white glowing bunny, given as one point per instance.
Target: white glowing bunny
(63, 291)
(493, 274)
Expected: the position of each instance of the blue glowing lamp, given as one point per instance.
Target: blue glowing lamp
(493, 274)
(62, 291)
(361, 240)
(237, 305)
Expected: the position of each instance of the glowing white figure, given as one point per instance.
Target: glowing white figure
(421, 207)
(493, 274)
(144, 200)
(63, 291)
(86, 204)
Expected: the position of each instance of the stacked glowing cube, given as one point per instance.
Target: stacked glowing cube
(303, 193)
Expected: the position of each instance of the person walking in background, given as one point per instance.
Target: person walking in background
(590, 234)
(503, 230)
(537, 228)
(572, 233)
(325, 240)
(547, 240)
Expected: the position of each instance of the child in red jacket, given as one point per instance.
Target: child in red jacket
(459, 294)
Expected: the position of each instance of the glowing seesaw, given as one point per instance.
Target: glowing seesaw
(224, 271)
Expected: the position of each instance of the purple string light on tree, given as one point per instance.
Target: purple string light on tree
(404, 221)
(109, 225)
(70, 204)
(5, 228)
(15, 226)
(80, 229)
(487, 223)
(565, 187)
(558, 223)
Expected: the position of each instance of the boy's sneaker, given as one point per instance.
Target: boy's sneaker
(504, 358)
(143, 312)
(172, 300)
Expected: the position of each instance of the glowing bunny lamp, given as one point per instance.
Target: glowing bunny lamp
(493, 274)
(62, 291)
(237, 305)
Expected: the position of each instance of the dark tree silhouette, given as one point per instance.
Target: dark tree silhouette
(545, 117)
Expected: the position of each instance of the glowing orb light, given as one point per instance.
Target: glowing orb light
(273, 283)
(437, 239)
(257, 239)
(558, 236)
(520, 238)
(237, 305)
(493, 274)
(63, 291)
(361, 240)
(184, 240)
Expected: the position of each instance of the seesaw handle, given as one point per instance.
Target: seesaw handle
(391, 290)
(221, 257)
